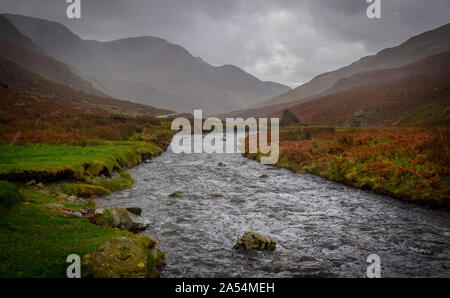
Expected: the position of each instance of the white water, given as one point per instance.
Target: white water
(323, 229)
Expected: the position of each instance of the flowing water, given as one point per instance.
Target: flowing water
(322, 229)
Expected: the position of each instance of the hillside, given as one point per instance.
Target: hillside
(416, 48)
(150, 70)
(418, 93)
(20, 49)
(36, 109)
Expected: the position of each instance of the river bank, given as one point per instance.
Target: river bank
(44, 206)
(408, 163)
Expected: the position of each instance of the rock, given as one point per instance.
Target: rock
(62, 196)
(40, 185)
(177, 194)
(289, 118)
(147, 161)
(71, 214)
(237, 200)
(135, 210)
(44, 191)
(146, 179)
(120, 257)
(221, 164)
(99, 211)
(72, 198)
(263, 176)
(55, 206)
(125, 220)
(31, 182)
(255, 241)
(216, 195)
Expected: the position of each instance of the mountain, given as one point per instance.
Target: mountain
(150, 70)
(20, 49)
(415, 94)
(38, 95)
(9, 32)
(416, 48)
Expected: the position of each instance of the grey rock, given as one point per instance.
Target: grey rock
(125, 220)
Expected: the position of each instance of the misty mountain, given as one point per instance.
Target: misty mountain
(150, 70)
(416, 48)
(20, 49)
(415, 94)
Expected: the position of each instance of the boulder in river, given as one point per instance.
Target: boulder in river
(263, 176)
(255, 241)
(126, 220)
(120, 257)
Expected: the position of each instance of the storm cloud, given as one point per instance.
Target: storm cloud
(286, 41)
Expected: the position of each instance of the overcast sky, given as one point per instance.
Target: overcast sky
(286, 41)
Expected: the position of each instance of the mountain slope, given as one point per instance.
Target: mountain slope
(416, 48)
(9, 32)
(20, 49)
(415, 94)
(151, 70)
(21, 86)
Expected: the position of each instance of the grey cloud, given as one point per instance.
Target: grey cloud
(287, 41)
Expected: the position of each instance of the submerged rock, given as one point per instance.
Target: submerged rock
(126, 220)
(255, 241)
(263, 176)
(177, 194)
(221, 164)
(216, 195)
(237, 200)
(120, 257)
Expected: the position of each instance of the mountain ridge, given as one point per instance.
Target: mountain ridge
(150, 70)
(428, 43)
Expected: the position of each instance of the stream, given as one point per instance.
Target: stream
(322, 228)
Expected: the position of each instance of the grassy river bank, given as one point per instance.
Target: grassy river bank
(409, 163)
(38, 180)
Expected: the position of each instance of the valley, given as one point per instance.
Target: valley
(89, 163)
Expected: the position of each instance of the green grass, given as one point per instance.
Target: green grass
(35, 241)
(9, 194)
(80, 160)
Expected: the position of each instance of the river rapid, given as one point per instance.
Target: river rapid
(322, 228)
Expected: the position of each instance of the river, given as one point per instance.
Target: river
(322, 228)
